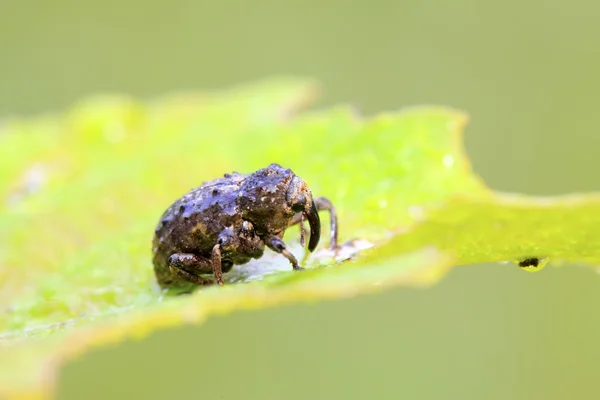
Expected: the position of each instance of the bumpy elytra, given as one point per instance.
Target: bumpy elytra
(228, 221)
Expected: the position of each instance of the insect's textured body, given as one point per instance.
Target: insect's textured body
(228, 221)
(193, 225)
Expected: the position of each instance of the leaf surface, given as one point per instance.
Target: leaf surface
(81, 193)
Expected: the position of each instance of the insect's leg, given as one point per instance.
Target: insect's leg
(186, 267)
(276, 244)
(323, 204)
(226, 241)
(216, 264)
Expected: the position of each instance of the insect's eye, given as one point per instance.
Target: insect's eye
(225, 241)
(299, 204)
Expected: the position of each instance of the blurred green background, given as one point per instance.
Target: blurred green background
(527, 72)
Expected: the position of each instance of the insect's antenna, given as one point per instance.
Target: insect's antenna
(302, 231)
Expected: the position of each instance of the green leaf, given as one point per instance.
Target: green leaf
(81, 193)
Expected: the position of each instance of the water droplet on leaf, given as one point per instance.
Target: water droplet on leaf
(448, 161)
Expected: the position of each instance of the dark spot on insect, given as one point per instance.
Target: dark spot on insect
(529, 262)
(215, 192)
(160, 227)
(162, 224)
(181, 209)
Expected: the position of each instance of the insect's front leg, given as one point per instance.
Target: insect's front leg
(226, 241)
(277, 245)
(216, 264)
(322, 204)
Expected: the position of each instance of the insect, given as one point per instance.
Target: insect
(533, 264)
(228, 221)
(529, 262)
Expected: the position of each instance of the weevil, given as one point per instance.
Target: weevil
(228, 221)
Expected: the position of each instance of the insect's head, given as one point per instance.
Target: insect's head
(299, 199)
(270, 198)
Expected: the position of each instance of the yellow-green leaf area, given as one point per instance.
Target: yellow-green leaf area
(82, 191)
(512, 227)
